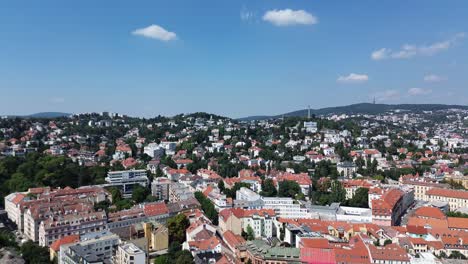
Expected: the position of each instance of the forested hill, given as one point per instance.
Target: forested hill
(362, 108)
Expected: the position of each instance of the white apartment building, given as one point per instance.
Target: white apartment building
(169, 147)
(126, 180)
(92, 248)
(245, 194)
(283, 206)
(153, 150)
(13, 208)
(261, 222)
(129, 253)
(52, 229)
(160, 188)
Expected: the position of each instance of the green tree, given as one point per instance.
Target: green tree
(250, 233)
(338, 193)
(360, 198)
(177, 226)
(457, 255)
(139, 193)
(207, 207)
(184, 257)
(289, 189)
(163, 259)
(123, 204)
(34, 254)
(7, 239)
(221, 186)
(115, 194)
(268, 188)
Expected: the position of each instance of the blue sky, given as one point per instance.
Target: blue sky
(234, 58)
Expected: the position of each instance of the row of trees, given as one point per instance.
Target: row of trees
(207, 207)
(36, 169)
(176, 226)
(322, 193)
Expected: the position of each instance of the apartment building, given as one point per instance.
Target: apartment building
(95, 247)
(126, 180)
(160, 188)
(388, 210)
(56, 227)
(17, 204)
(455, 198)
(179, 192)
(129, 253)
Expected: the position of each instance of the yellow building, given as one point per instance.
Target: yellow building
(157, 236)
(455, 198)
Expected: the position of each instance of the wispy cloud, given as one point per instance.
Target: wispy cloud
(155, 32)
(418, 91)
(57, 100)
(409, 50)
(289, 17)
(387, 95)
(380, 54)
(353, 78)
(246, 15)
(434, 78)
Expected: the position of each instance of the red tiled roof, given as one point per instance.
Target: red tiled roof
(457, 223)
(391, 252)
(223, 260)
(448, 193)
(208, 190)
(371, 151)
(315, 243)
(260, 212)
(427, 222)
(355, 255)
(301, 178)
(429, 212)
(232, 239)
(18, 198)
(183, 161)
(226, 213)
(158, 208)
(318, 255)
(418, 240)
(63, 241)
(418, 230)
(207, 244)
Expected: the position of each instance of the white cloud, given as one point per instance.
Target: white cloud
(418, 91)
(155, 32)
(57, 100)
(434, 78)
(353, 78)
(387, 95)
(380, 54)
(409, 50)
(288, 17)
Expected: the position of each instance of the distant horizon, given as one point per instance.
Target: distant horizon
(233, 58)
(214, 113)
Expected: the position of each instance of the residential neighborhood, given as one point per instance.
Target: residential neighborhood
(360, 188)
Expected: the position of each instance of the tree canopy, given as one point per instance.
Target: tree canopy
(289, 189)
(177, 226)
